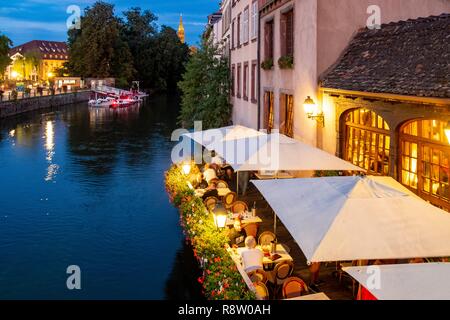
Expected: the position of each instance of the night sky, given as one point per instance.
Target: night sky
(25, 20)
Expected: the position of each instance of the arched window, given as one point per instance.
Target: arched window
(367, 141)
(425, 160)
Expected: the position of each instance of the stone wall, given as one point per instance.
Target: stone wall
(11, 108)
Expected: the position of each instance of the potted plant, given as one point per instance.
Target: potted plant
(286, 62)
(267, 64)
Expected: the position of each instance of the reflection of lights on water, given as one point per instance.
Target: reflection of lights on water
(12, 133)
(52, 169)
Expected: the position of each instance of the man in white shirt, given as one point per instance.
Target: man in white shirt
(252, 258)
(209, 173)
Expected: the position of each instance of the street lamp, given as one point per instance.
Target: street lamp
(311, 111)
(220, 216)
(14, 74)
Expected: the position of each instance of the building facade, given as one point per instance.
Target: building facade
(389, 114)
(300, 40)
(244, 62)
(37, 60)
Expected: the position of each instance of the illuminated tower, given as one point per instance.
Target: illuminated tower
(181, 30)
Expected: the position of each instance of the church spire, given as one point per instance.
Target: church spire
(181, 34)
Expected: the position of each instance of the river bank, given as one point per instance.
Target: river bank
(15, 107)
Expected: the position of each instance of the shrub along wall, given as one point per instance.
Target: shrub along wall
(221, 280)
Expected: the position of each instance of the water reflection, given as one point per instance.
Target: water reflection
(49, 137)
(107, 213)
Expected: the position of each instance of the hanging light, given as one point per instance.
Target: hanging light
(220, 216)
(447, 131)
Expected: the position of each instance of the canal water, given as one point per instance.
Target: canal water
(85, 186)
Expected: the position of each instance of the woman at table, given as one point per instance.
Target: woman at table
(252, 258)
(237, 234)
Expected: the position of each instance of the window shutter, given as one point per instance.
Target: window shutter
(283, 27)
(290, 33)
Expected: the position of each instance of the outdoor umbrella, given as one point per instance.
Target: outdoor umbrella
(423, 281)
(357, 218)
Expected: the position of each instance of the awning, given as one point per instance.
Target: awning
(357, 218)
(424, 281)
(246, 149)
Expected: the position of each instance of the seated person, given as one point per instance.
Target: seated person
(229, 177)
(209, 173)
(252, 258)
(237, 234)
(200, 182)
(211, 191)
(216, 159)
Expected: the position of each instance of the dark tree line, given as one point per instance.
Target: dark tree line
(128, 48)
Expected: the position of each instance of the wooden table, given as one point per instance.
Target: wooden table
(279, 175)
(311, 297)
(267, 261)
(230, 222)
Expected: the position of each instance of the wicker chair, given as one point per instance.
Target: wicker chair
(266, 238)
(211, 203)
(278, 276)
(251, 229)
(261, 290)
(229, 199)
(221, 184)
(258, 276)
(239, 207)
(293, 287)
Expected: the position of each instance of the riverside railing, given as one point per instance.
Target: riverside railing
(11, 96)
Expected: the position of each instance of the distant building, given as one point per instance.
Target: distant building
(49, 56)
(181, 33)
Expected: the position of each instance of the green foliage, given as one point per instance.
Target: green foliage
(286, 62)
(127, 49)
(206, 88)
(97, 49)
(267, 64)
(5, 45)
(221, 280)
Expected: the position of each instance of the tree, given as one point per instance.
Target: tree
(5, 61)
(206, 88)
(139, 31)
(170, 58)
(97, 49)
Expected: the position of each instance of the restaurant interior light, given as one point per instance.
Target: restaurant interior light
(220, 216)
(447, 131)
(311, 111)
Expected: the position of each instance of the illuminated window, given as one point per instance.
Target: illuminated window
(368, 141)
(424, 161)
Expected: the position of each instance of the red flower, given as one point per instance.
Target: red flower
(200, 280)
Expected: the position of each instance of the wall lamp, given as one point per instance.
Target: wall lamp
(311, 111)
